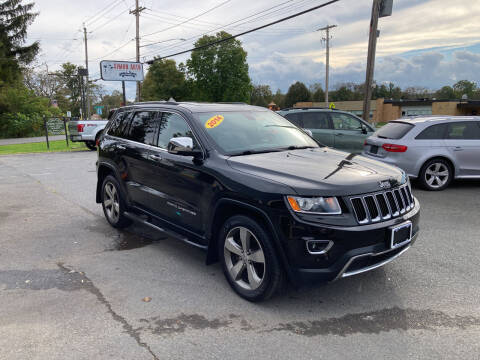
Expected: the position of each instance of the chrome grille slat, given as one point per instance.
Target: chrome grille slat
(384, 205)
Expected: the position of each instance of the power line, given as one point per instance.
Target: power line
(225, 26)
(100, 13)
(114, 51)
(109, 21)
(190, 19)
(247, 32)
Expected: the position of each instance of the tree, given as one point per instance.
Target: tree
(465, 87)
(14, 20)
(219, 72)
(445, 93)
(297, 92)
(279, 99)
(163, 81)
(261, 95)
(317, 92)
(69, 95)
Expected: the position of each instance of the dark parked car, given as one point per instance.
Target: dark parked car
(338, 129)
(254, 191)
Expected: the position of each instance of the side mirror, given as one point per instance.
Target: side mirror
(364, 129)
(309, 132)
(182, 146)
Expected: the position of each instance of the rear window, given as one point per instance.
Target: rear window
(393, 130)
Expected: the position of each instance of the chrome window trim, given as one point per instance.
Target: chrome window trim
(153, 147)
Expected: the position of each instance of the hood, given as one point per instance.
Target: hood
(320, 171)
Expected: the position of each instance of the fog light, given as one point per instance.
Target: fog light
(318, 247)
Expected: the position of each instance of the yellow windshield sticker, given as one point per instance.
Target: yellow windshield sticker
(214, 121)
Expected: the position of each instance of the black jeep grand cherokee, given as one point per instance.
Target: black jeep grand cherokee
(255, 192)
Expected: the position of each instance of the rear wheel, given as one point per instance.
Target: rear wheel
(249, 260)
(91, 145)
(113, 204)
(436, 174)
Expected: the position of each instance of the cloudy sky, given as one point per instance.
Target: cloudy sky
(426, 43)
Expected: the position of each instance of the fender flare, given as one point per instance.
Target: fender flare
(212, 248)
(115, 172)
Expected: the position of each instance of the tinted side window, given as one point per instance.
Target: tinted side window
(115, 123)
(467, 130)
(434, 132)
(172, 125)
(295, 119)
(345, 122)
(143, 127)
(315, 120)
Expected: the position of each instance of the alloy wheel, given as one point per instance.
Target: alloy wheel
(111, 202)
(244, 258)
(437, 175)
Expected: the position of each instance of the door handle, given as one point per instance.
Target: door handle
(155, 157)
(121, 147)
(338, 134)
(458, 148)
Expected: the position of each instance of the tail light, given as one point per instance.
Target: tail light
(365, 142)
(80, 127)
(394, 148)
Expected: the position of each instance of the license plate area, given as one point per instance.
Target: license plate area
(401, 235)
(373, 149)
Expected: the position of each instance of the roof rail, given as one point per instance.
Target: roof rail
(307, 108)
(156, 102)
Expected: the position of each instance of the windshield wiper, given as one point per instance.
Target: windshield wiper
(294, 147)
(252, 151)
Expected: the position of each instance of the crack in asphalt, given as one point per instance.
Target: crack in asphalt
(89, 286)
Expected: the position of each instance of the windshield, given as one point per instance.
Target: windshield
(243, 132)
(393, 130)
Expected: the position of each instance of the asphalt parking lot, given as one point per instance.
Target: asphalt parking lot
(73, 287)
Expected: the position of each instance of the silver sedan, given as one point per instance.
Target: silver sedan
(434, 149)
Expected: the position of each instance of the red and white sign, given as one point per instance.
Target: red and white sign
(121, 70)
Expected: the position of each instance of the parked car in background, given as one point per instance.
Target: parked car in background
(254, 191)
(338, 129)
(434, 149)
(87, 131)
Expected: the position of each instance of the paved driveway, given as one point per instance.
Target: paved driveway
(72, 287)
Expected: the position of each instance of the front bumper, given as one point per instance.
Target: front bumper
(355, 249)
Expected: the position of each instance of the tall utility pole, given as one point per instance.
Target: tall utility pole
(87, 114)
(137, 12)
(327, 62)
(380, 8)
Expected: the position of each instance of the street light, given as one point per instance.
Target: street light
(159, 42)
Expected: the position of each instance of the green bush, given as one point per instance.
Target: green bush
(21, 112)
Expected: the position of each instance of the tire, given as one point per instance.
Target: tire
(91, 145)
(254, 280)
(436, 174)
(113, 203)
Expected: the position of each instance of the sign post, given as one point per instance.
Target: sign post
(121, 71)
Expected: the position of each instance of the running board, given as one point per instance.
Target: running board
(169, 232)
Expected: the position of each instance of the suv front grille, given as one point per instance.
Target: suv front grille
(384, 205)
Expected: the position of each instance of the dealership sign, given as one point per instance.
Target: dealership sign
(121, 71)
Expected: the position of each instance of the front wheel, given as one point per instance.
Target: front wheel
(113, 204)
(249, 260)
(91, 145)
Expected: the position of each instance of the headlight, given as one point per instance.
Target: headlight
(315, 205)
